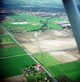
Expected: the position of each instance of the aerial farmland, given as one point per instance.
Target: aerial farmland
(37, 44)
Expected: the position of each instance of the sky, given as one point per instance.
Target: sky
(37, 2)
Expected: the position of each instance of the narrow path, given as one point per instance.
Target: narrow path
(12, 56)
(29, 54)
(55, 50)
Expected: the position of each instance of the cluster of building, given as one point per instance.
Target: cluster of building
(40, 14)
(39, 68)
(63, 23)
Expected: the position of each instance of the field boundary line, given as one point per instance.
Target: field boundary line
(12, 56)
(56, 50)
(2, 35)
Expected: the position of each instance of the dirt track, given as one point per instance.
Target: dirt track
(18, 78)
(46, 41)
(8, 45)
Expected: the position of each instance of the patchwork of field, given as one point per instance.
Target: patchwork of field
(8, 47)
(25, 22)
(12, 57)
(69, 70)
(62, 65)
(30, 18)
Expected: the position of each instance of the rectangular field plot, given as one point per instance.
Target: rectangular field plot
(26, 27)
(46, 59)
(12, 66)
(70, 69)
(6, 39)
(11, 51)
(32, 27)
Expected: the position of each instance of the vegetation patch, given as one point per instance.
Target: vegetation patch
(36, 73)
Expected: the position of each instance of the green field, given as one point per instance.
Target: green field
(32, 20)
(46, 59)
(74, 76)
(11, 51)
(53, 24)
(58, 19)
(71, 70)
(12, 66)
(27, 27)
(6, 39)
(12, 59)
(56, 68)
(26, 18)
(34, 78)
(32, 27)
